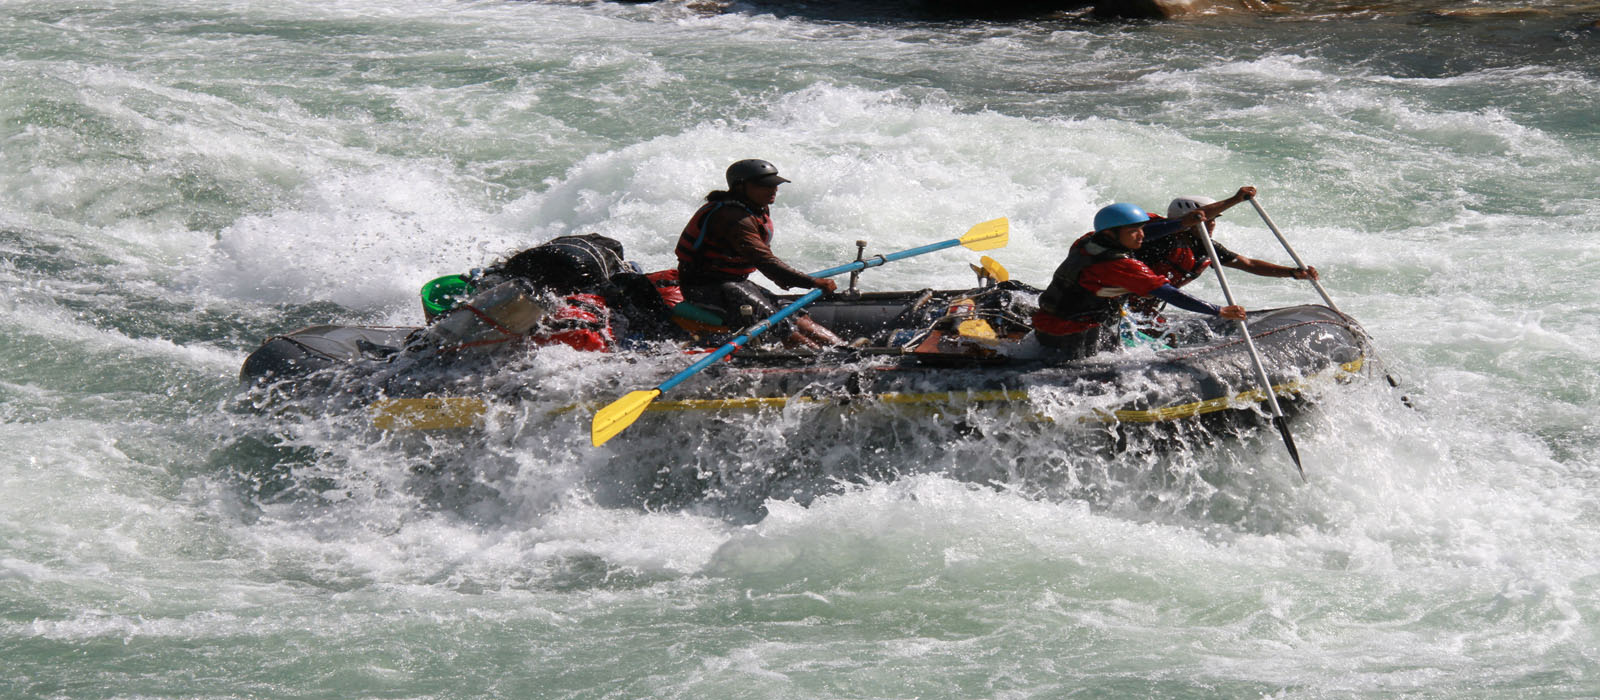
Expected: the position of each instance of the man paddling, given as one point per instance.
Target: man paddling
(1100, 267)
(1181, 257)
(729, 238)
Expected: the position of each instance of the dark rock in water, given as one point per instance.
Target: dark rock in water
(1493, 10)
(1173, 9)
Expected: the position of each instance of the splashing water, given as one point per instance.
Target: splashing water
(183, 179)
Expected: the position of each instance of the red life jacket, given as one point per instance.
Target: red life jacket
(1181, 266)
(584, 323)
(1065, 297)
(1181, 258)
(697, 249)
(1072, 304)
(666, 284)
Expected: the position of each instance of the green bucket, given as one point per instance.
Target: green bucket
(444, 293)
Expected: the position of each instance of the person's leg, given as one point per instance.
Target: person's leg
(811, 333)
(1071, 346)
(735, 296)
(801, 329)
(747, 293)
(1094, 341)
(816, 332)
(709, 297)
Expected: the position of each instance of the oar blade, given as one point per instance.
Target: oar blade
(996, 271)
(1288, 441)
(620, 414)
(988, 235)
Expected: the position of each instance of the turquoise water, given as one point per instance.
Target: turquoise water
(181, 180)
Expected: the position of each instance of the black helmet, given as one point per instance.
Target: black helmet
(753, 170)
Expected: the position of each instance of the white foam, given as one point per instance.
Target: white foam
(1446, 542)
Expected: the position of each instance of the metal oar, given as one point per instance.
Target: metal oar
(1318, 285)
(1255, 358)
(620, 414)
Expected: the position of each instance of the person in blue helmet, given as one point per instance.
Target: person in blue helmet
(1100, 267)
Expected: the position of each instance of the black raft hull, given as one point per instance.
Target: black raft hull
(1301, 347)
(913, 349)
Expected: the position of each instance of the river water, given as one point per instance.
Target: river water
(181, 180)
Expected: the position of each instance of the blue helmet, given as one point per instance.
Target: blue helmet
(1119, 214)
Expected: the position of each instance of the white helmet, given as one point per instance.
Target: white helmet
(1184, 205)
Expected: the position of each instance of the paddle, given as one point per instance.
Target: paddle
(1302, 265)
(990, 272)
(620, 414)
(997, 272)
(1255, 359)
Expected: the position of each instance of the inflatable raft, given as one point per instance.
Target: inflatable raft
(929, 348)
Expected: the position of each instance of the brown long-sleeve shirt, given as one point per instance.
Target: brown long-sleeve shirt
(737, 233)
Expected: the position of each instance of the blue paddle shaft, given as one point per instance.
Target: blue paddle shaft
(728, 347)
(877, 260)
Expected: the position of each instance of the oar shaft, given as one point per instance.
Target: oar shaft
(728, 347)
(1244, 328)
(1255, 358)
(796, 305)
(1314, 283)
(1293, 255)
(877, 260)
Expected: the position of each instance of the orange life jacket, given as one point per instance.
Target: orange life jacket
(699, 249)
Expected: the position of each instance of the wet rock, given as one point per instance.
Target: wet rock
(1174, 9)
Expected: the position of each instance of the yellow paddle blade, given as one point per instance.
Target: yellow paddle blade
(441, 413)
(977, 329)
(616, 417)
(988, 235)
(997, 272)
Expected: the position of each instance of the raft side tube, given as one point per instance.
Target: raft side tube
(314, 348)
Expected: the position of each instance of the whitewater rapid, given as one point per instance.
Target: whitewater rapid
(181, 180)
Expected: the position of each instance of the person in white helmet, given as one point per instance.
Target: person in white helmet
(1181, 257)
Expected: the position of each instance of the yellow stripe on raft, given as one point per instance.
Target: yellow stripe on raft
(1165, 413)
(463, 412)
(1190, 410)
(436, 413)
